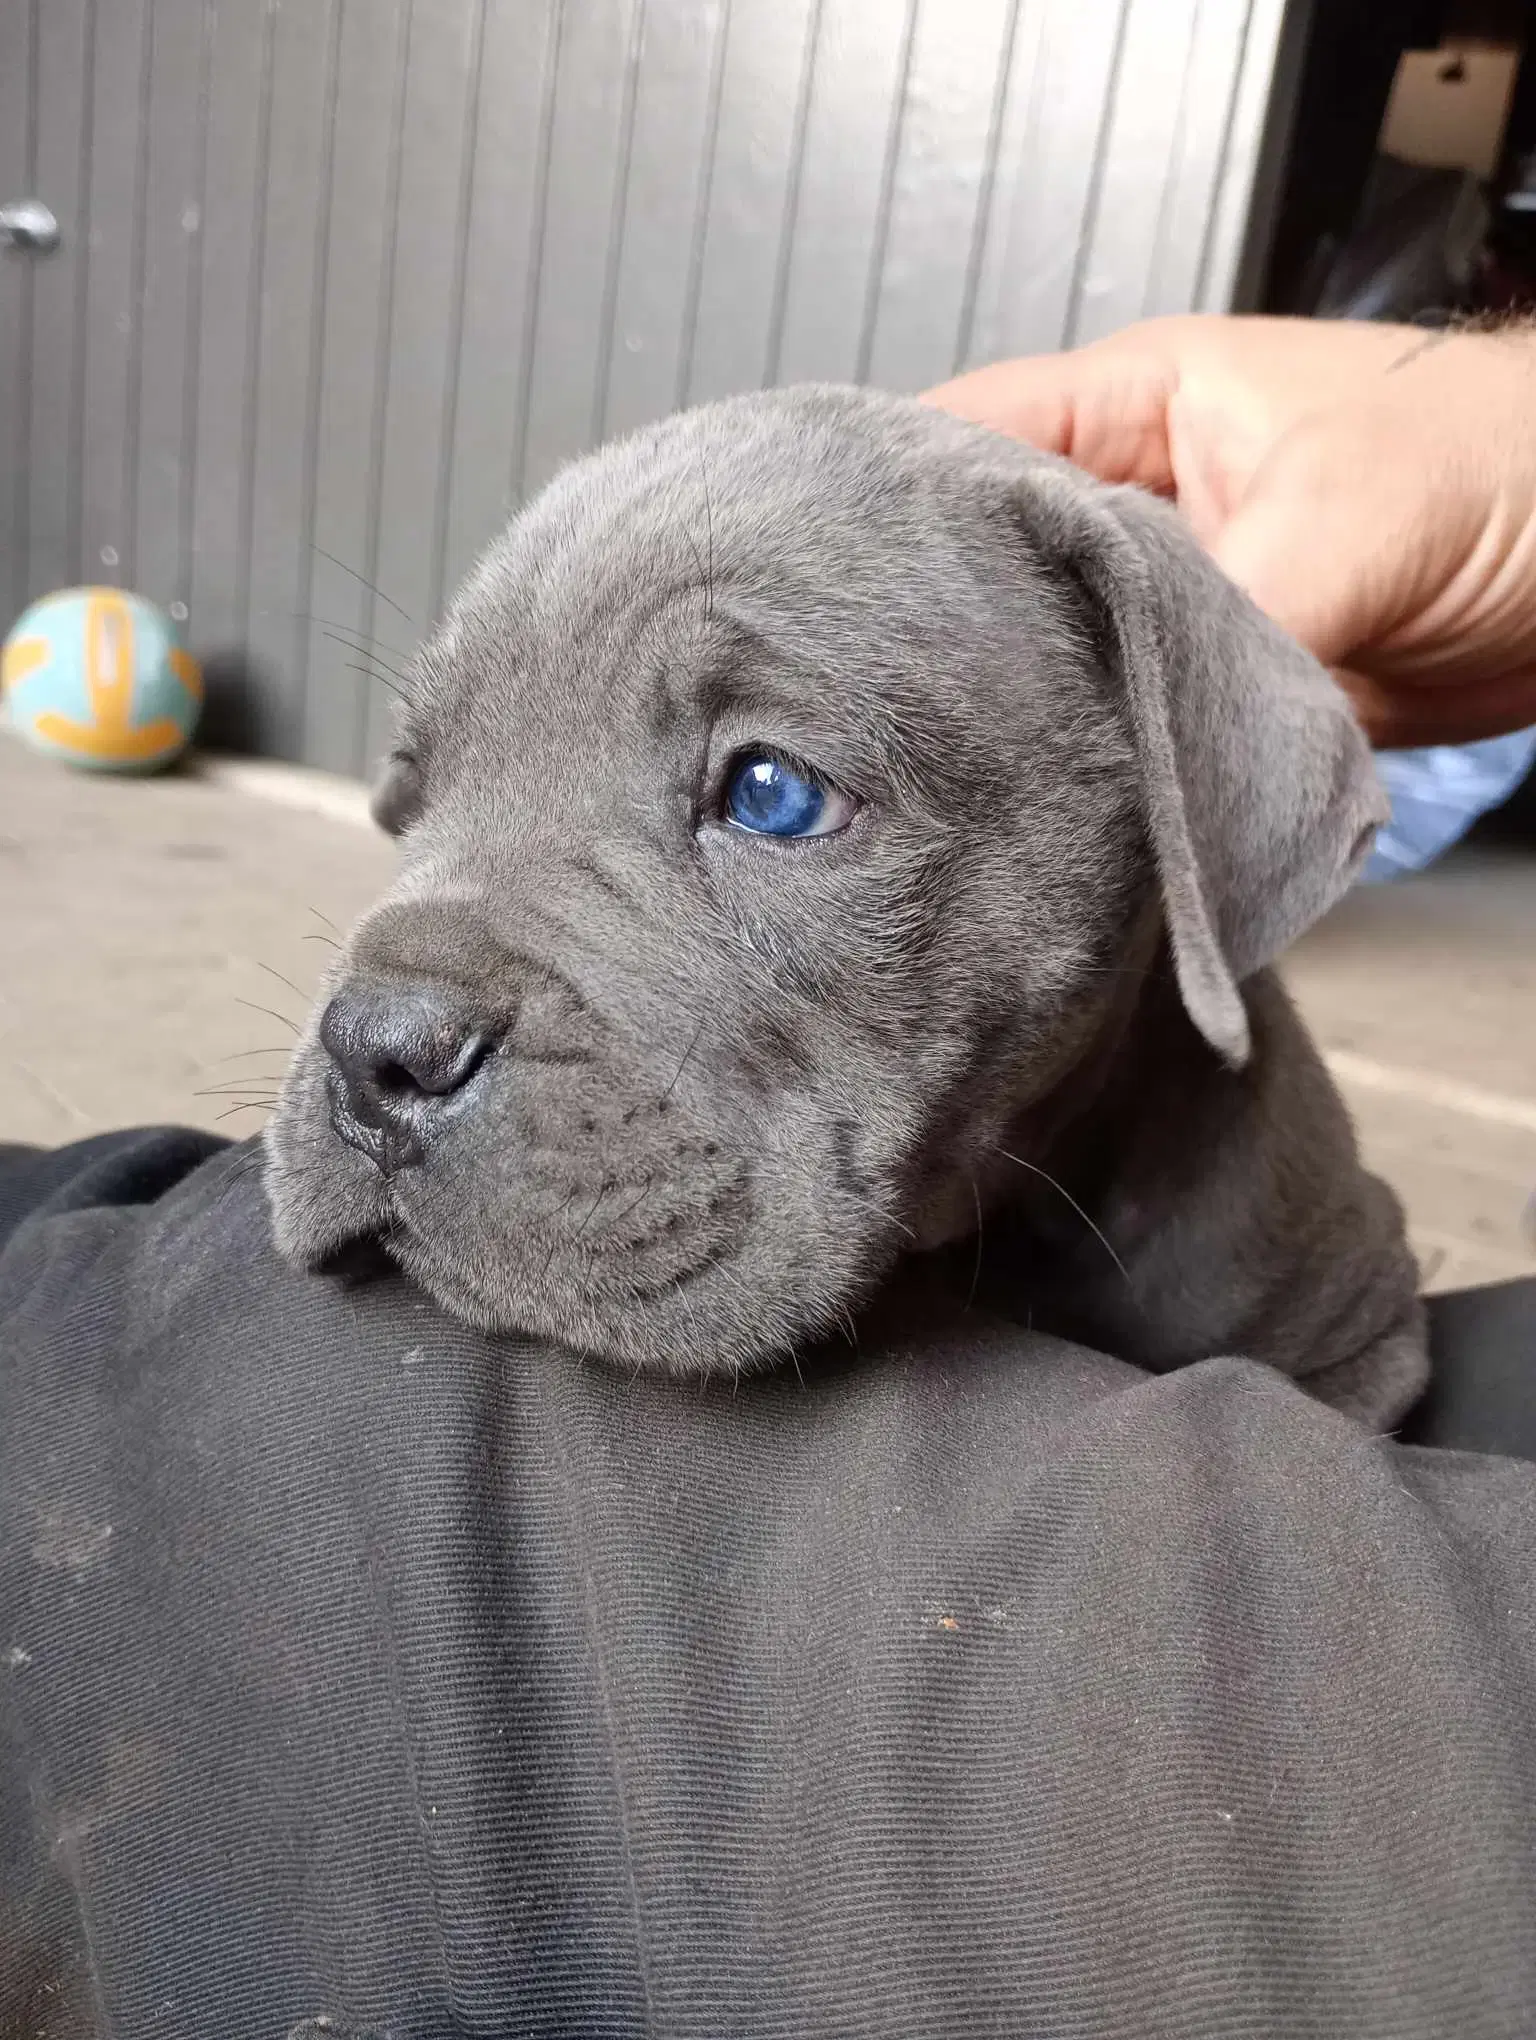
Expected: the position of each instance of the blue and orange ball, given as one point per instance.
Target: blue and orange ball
(100, 678)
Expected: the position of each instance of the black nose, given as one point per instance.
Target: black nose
(397, 1056)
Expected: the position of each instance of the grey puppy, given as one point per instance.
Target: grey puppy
(829, 829)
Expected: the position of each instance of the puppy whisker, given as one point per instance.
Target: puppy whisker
(709, 528)
(556, 1242)
(602, 1191)
(368, 673)
(1062, 1191)
(271, 1014)
(862, 1199)
(371, 586)
(698, 561)
(299, 989)
(351, 629)
(880, 1210)
(362, 649)
(620, 1216)
(687, 1052)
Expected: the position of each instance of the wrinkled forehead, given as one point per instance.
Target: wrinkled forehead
(752, 565)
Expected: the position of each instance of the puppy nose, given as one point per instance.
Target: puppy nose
(397, 1056)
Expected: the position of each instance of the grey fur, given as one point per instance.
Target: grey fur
(734, 1079)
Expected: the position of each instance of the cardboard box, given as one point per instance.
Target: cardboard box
(1448, 107)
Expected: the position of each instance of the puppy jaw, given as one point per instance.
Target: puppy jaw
(661, 1234)
(659, 1223)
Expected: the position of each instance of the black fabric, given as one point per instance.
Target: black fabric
(1482, 1391)
(359, 1669)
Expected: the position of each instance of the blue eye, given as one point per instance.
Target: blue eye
(770, 798)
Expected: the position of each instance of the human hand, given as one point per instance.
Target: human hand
(1373, 488)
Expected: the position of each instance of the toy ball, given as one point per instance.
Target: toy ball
(98, 678)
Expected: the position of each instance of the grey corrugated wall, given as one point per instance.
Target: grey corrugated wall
(342, 280)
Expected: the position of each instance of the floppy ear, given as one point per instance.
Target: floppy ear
(396, 800)
(1258, 789)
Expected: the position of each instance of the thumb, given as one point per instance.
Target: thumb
(1104, 406)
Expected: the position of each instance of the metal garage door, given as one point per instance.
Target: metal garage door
(340, 281)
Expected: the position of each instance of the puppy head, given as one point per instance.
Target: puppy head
(779, 802)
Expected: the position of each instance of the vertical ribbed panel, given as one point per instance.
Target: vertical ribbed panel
(343, 280)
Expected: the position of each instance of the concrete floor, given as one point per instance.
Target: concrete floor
(161, 939)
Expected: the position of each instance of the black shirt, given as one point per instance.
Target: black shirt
(356, 1667)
